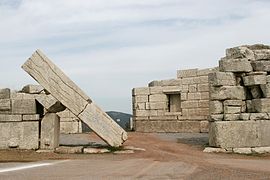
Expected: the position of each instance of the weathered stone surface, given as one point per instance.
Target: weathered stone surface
(242, 150)
(194, 96)
(32, 89)
(124, 152)
(69, 150)
(30, 117)
(22, 135)
(231, 117)
(204, 103)
(204, 126)
(261, 65)
(172, 89)
(233, 103)
(261, 105)
(254, 80)
(205, 72)
(239, 134)
(232, 109)
(10, 117)
(235, 65)
(158, 98)
(168, 126)
(167, 82)
(266, 90)
(91, 150)
(195, 112)
(244, 116)
(69, 127)
(222, 79)
(203, 87)
(157, 89)
(190, 104)
(228, 92)
(5, 104)
(256, 92)
(24, 106)
(50, 103)
(140, 99)
(250, 107)
(258, 116)
(141, 106)
(261, 150)
(262, 54)
(193, 88)
(216, 117)
(50, 130)
(4, 93)
(214, 150)
(187, 73)
(240, 52)
(140, 91)
(216, 107)
(158, 106)
(20, 95)
(71, 96)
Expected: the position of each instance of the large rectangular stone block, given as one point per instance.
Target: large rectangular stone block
(141, 91)
(235, 65)
(190, 104)
(4, 93)
(262, 54)
(240, 52)
(24, 106)
(50, 131)
(227, 92)
(254, 80)
(49, 76)
(158, 98)
(70, 127)
(187, 73)
(51, 104)
(10, 117)
(261, 65)
(158, 106)
(168, 126)
(194, 96)
(216, 107)
(203, 87)
(22, 135)
(222, 79)
(166, 82)
(5, 104)
(32, 89)
(31, 117)
(140, 99)
(261, 105)
(239, 134)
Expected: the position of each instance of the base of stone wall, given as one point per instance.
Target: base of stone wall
(168, 126)
(250, 150)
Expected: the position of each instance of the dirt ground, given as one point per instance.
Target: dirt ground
(167, 156)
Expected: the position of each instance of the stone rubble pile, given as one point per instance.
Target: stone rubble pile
(240, 99)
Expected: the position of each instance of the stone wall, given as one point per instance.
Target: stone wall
(174, 105)
(240, 99)
(25, 121)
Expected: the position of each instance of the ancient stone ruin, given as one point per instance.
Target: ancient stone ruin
(174, 105)
(240, 99)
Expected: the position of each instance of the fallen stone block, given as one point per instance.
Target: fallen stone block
(10, 117)
(261, 105)
(214, 150)
(222, 79)
(240, 52)
(260, 150)
(50, 103)
(91, 150)
(242, 150)
(24, 106)
(239, 134)
(5, 105)
(32, 89)
(69, 150)
(254, 80)
(50, 130)
(4, 93)
(228, 92)
(72, 97)
(235, 65)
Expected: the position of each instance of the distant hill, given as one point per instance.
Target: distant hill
(123, 119)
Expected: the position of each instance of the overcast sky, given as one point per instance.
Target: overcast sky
(110, 46)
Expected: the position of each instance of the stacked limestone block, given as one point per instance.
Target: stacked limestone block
(69, 123)
(19, 122)
(240, 99)
(174, 105)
